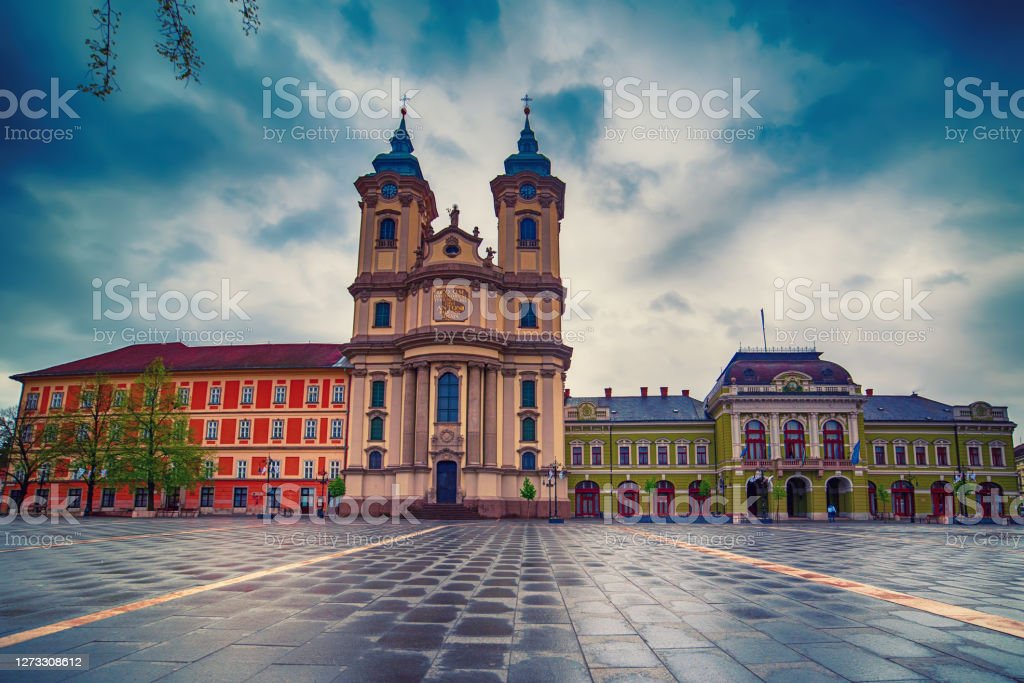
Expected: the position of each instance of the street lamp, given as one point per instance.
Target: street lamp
(322, 512)
(554, 474)
(44, 475)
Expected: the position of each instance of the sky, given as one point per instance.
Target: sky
(831, 157)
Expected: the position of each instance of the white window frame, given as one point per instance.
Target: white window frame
(313, 393)
(335, 469)
(216, 394)
(212, 429)
(277, 429)
(244, 429)
(57, 400)
(309, 430)
(337, 428)
(338, 393)
(280, 394)
(683, 450)
(184, 394)
(307, 469)
(32, 401)
(241, 469)
(248, 392)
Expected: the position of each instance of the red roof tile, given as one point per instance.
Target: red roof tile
(178, 357)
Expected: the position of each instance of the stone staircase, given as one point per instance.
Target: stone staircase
(445, 511)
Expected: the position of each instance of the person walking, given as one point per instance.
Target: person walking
(831, 513)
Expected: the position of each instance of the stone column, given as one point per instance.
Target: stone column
(815, 437)
(491, 416)
(395, 396)
(409, 415)
(473, 415)
(422, 411)
(357, 419)
(510, 425)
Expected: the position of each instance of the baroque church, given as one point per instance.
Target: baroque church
(457, 361)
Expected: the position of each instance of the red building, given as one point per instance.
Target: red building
(272, 417)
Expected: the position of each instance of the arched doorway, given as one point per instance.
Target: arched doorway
(941, 498)
(664, 497)
(696, 498)
(796, 497)
(872, 499)
(990, 500)
(587, 499)
(447, 481)
(629, 499)
(837, 493)
(902, 499)
(757, 494)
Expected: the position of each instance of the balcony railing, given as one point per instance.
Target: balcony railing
(387, 244)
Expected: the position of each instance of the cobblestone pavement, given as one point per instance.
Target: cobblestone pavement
(516, 601)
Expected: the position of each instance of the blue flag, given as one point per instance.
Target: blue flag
(855, 456)
(743, 453)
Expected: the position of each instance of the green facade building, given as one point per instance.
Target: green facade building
(786, 435)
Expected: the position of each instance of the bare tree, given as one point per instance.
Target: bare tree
(176, 44)
(155, 447)
(31, 445)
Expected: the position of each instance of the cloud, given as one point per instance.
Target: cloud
(849, 179)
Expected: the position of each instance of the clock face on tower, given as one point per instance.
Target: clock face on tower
(389, 191)
(527, 191)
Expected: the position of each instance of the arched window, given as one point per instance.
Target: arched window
(794, 438)
(755, 440)
(448, 398)
(529, 460)
(529, 393)
(832, 434)
(376, 460)
(386, 232)
(528, 430)
(527, 232)
(382, 314)
(377, 429)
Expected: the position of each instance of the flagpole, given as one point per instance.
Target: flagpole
(764, 334)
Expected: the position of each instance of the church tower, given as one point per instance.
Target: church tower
(458, 362)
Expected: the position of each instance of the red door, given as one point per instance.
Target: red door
(989, 500)
(938, 492)
(664, 499)
(902, 499)
(629, 502)
(586, 499)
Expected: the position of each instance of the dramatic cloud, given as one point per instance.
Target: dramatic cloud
(848, 177)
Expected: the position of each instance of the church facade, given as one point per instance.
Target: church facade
(457, 360)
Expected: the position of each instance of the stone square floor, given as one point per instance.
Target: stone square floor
(234, 599)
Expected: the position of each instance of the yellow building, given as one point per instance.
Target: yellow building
(458, 360)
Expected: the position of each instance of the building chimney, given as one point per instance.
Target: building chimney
(664, 392)
(686, 392)
(643, 392)
(607, 392)
(567, 394)
(871, 392)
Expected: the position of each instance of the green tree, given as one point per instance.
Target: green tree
(779, 494)
(528, 492)
(30, 445)
(89, 435)
(883, 497)
(156, 447)
(336, 488)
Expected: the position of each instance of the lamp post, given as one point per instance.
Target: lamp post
(44, 475)
(555, 473)
(266, 498)
(322, 512)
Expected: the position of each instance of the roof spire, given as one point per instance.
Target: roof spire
(529, 157)
(400, 159)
